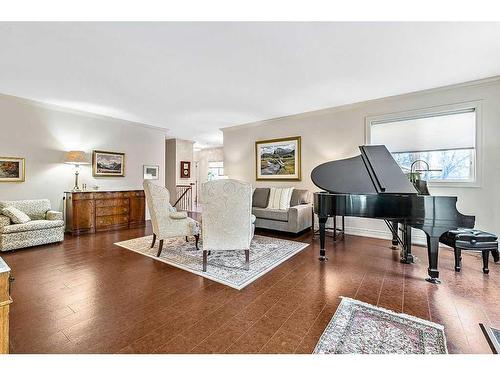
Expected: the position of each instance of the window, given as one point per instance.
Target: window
(215, 170)
(445, 140)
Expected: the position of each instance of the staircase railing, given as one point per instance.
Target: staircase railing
(184, 195)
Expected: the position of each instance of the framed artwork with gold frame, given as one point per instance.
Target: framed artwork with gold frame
(278, 159)
(108, 164)
(12, 169)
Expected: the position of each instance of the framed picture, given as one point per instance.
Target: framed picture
(185, 169)
(151, 172)
(108, 164)
(278, 159)
(12, 169)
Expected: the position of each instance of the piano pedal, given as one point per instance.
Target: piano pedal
(433, 280)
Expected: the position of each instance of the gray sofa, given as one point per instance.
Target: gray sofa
(45, 226)
(294, 220)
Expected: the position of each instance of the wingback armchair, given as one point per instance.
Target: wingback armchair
(228, 223)
(166, 221)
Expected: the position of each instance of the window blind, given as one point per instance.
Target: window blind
(447, 131)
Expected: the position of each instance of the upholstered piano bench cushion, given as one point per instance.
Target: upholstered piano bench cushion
(469, 239)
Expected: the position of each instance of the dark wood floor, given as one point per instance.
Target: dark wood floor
(90, 296)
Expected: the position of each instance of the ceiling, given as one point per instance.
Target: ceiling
(195, 78)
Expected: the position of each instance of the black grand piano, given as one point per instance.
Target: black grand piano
(372, 185)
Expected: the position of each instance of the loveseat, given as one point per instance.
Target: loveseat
(296, 218)
(44, 225)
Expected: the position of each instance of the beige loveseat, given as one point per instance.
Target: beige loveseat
(45, 226)
(293, 220)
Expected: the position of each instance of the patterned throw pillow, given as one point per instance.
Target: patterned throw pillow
(279, 198)
(15, 215)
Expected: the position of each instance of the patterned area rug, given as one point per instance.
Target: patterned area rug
(361, 328)
(225, 267)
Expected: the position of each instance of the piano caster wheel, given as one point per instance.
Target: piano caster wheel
(322, 258)
(408, 260)
(433, 280)
(394, 247)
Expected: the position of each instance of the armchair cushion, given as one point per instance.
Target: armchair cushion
(16, 216)
(54, 215)
(178, 215)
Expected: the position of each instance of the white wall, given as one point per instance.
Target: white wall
(42, 134)
(336, 133)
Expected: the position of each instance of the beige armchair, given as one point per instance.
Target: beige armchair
(166, 221)
(227, 217)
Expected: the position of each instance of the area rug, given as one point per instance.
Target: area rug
(361, 328)
(225, 267)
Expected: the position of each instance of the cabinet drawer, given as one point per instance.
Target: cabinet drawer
(105, 221)
(82, 196)
(106, 211)
(111, 202)
(110, 195)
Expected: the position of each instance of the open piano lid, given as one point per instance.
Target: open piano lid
(373, 172)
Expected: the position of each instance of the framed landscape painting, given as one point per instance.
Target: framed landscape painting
(151, 172)
(12, 169)
(278, 159)
(108, 164)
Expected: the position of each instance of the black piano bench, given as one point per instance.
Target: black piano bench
(471, 240)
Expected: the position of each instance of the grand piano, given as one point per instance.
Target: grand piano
(372, 185)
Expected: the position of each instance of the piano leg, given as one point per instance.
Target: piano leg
(395, 227)
(407, 255)
(322, 235)
(432, 252)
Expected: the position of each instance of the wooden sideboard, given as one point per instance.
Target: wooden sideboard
(90, 212)
(5, 302)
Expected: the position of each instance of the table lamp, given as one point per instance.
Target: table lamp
(76, 158)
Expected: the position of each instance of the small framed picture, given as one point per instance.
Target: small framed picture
(151, 172)
(278, 159)
(185, 169)
(108, 164)
(12, 169)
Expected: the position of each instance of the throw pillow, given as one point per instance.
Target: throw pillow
(260, 197)
(15, 215)
(299, 196)
(279, 198)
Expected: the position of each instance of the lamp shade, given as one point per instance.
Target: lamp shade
(76, 157)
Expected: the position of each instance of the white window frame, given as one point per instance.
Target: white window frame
(440, 110)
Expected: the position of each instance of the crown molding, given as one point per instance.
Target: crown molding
(344, 107)
(59, 108)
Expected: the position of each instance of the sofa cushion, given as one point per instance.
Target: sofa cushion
(270, 214)
(300, 196)
(32, 225)
(260, 197)
(34, 208)
(15, 215)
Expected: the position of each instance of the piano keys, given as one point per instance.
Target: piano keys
(372, 185)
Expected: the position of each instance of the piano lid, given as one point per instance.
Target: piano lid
(373, 172)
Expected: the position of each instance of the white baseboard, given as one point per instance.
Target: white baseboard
(417, 238)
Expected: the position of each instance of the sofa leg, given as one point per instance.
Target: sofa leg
(205, 255)
(154, 240)
(247, 259)
(486, 254)
(458, 259)
(160, 248)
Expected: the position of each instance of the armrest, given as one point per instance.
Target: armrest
(53, 215)
(300, 217)
(178, 215)
(4, 221)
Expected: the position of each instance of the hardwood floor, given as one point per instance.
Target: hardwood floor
(87, 295)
